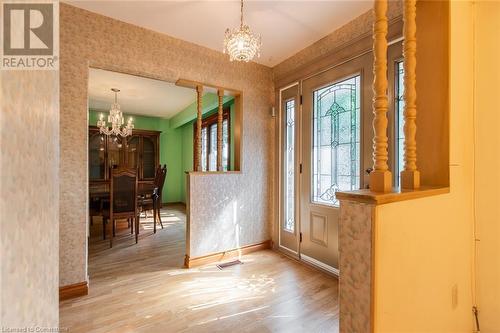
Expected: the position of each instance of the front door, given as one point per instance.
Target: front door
(326, 137)
(331, 156)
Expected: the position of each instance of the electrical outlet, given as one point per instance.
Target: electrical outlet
(454, 296)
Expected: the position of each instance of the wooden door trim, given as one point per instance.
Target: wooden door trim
(292, 92)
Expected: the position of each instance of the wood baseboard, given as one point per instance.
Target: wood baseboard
(166, 204)
(73, 290)
(216, 257)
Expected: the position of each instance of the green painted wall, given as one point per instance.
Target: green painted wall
(210, 102)
(171, 150)
(188, 153)
(176, 142)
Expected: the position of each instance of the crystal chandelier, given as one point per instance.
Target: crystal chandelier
(241, 44)
(116, 119)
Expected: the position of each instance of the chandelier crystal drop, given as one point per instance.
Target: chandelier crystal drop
(241, 44)
(116, 120)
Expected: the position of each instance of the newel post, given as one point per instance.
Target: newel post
(197, 156)
(410, 176)
(380, 177)
(220, 94)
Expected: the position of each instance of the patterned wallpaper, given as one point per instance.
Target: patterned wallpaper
(88, 39)
(232, 218)
(29, 164)
(355, 247)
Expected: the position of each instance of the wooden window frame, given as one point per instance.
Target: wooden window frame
(207, 123)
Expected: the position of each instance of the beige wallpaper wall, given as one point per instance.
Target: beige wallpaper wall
(226, 210)
(355, 247)
(89, 39)
(29, 162)
(355, 28)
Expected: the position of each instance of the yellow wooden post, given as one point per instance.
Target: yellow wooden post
(199, 93)
(380, 177)
(410, 176)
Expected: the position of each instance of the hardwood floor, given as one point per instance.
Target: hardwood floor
(143, 288)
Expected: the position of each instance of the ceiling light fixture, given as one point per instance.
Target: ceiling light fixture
(241, 44)
(116, 119)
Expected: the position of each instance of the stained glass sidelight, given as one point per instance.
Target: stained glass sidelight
(289, 166)
(336, 140)
(400, 104)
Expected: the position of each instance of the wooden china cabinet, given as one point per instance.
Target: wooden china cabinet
(141, 150)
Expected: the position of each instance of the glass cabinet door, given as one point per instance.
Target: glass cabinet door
(132, 159)
(115, 152)
(96, 156)
(148, 157)
(139, 151)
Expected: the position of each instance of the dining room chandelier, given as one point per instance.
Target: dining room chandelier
(116, 119)
(240, 43)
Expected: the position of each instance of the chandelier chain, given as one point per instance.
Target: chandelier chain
(241, 15)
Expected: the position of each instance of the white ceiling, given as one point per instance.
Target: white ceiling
(138, 95)
(286, 26)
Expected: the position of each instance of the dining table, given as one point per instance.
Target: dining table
(102, 190)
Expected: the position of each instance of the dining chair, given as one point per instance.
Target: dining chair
(95, 209)
(123, 200)
(154, 202)
(144, 199)
(157, 196)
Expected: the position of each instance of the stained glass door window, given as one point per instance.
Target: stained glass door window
(289, 166)
(336, 140)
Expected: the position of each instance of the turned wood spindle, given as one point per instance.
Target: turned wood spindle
(199, 93)
(220, 94)
(410, 176)
(380, 177)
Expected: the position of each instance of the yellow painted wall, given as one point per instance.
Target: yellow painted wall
(487, 162)
(423, 248)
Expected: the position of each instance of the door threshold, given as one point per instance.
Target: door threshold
(288, 252)
(320, 265)
(310, 262)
